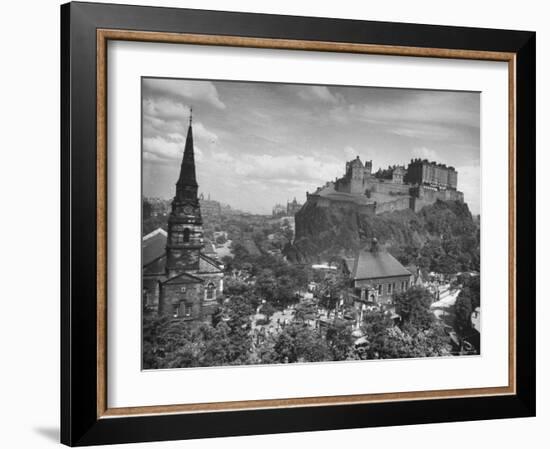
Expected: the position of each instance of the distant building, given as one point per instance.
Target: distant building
(279, 210)
(210, 208)
(179, 279)
(376, 275)
(292, 207)
(209, 249)
(156, 207)
(398, 174)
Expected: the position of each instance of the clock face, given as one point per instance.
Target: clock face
(188, 210)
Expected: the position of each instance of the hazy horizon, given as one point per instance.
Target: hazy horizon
(261, 144)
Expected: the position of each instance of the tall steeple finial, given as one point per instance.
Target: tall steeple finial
(186, 187)
(190, 115)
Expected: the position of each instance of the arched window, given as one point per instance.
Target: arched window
(186, 233)
(210, 291)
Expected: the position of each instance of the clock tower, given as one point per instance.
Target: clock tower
(185, 234)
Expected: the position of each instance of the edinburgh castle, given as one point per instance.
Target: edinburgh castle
(420, 184)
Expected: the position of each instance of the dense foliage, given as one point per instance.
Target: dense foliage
(169, 343)
(442, 237)
(467, 301)
(417, 334)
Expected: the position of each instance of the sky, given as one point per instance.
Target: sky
(259, 144)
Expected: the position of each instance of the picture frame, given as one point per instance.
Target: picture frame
(86, 28)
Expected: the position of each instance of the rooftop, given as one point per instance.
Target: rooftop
(153, 245)
(368, 265)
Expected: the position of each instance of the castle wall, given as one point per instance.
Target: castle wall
(389, 187)
(399, 203)
(342, 185)
(425, 196)
(320, 201)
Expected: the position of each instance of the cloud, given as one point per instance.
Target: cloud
(163, 117)
(426, 153)
(413, 113)
(165, 109)
(350, 153)
(200, 133)
(183, 91)
(321, 93)
(160, 149)
(166, 149)
(286, 170)
(469, 182)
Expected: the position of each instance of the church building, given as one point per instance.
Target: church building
(179, 280)
(376, 275)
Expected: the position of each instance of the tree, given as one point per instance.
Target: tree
(234, 287)
(147, 209)
(238, 312)
(418, 334)
(298, 343)
(333, 289)
(399, 343)
(217, 345)
(228, 263)
(340, 342)
(266, 285)
(305, 311)
(284, 291)
(268, 310)
(413, 306)
(375, 326)
(170, 343)
(468, 299)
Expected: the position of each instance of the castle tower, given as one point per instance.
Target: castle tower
(356, 172)
(368, 167)
(185, 232)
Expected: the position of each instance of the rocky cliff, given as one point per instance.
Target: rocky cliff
(442, 237)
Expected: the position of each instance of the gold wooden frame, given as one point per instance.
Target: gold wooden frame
(104, 35)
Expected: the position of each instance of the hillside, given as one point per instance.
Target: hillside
(442, 237)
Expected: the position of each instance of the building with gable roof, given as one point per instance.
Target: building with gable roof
(179, 278)
(376, 274)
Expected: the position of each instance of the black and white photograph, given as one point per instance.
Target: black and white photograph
(275, 224)
(286, 223)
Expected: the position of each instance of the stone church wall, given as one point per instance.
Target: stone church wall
(173, 294)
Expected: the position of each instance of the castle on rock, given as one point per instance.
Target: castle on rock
(396, 188)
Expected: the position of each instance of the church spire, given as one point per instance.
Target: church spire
(187, 182)
(185, 232)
